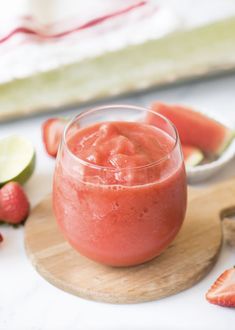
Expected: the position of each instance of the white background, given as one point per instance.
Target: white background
(28, 302)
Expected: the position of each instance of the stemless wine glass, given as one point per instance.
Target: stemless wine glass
(123, 216)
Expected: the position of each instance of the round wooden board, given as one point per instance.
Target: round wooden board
(184, 263)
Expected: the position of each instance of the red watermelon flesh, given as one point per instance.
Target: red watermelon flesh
(194, 128)
(192, 156)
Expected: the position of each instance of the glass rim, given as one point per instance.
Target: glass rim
(112, 106)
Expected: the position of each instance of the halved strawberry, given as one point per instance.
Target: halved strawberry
(52, 130)
(14, 204)
(222, 292)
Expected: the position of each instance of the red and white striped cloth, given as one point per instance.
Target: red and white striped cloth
(30, 43)
(28, 25)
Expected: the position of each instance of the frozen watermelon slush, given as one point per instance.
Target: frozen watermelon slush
(119, 192)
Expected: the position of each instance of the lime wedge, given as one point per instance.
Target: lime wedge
(17, 159)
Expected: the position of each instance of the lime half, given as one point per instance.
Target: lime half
(17, 159)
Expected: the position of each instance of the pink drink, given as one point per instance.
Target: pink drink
(120, 191)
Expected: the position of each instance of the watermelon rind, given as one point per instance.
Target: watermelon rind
(214, 131)
(194, 159)
(229, 136)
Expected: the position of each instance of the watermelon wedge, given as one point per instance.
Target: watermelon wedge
(195, 129)
(192, 156)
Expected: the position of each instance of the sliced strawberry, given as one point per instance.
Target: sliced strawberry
(222, 292)
(52, 130)
(14, 204)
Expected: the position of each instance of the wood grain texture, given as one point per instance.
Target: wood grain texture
(185, 262)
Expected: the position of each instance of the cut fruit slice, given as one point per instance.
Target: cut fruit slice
(52, 131)
(192, 156)
(17, 159)
(222, 292)
(195, 129)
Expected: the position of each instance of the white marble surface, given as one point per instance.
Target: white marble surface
(28, 302)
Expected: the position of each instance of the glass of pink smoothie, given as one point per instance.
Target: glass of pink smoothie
(119, 191)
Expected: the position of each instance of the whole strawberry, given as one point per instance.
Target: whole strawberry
(14, 204)
(1, 238)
